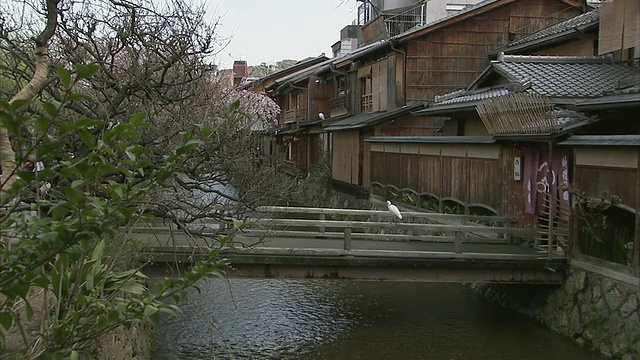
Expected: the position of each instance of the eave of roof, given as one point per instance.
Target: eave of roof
(370, 119)
(302, 64)
(362, 52)
(297, 76)
(433, 139)
(465, 101)
(610, 102)
(354, 122)
(468, 12)
(602, 140)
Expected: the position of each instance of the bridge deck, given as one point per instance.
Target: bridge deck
(365, 244)
(369, 259)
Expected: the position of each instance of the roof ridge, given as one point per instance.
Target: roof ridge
(502, 57)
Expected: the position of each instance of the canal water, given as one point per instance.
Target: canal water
(338, 319)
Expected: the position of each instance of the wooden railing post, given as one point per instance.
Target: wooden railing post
(507, 235)
(347, 238)
(457, 243)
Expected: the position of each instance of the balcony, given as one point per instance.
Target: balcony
(404, 21)
(294, 115)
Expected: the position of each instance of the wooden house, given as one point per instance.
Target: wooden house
(413, 67)
(524, 100)
(528, 124)
(276, 150)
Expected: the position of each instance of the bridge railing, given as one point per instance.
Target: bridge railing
(355, 224)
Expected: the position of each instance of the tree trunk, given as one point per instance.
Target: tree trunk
(29, 92)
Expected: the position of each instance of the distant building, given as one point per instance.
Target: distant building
(349, 36)
(240, 72)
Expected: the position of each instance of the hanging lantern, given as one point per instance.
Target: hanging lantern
(297, 138)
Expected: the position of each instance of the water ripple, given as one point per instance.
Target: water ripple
(316, 319)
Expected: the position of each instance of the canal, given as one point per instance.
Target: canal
(334, 319)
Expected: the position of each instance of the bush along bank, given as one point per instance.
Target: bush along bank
(599, 313)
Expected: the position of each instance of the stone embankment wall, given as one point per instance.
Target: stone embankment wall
(598, 312)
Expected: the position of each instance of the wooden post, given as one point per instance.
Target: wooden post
(636, 242)
(321, 227)
(458, 242)
(347, 239)
(507, 235)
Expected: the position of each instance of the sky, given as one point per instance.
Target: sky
(273, 30)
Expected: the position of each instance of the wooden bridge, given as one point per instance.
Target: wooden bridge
(367, 244)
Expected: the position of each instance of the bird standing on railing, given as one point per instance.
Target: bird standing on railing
(394, 210)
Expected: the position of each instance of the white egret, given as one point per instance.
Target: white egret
(394, 210)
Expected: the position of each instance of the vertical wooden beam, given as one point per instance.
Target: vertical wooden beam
(457, 243)
(347, 239)
(636, 243)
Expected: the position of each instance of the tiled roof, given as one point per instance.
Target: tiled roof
(471, 96)
(369, 119)
(579, 22)
(461, 100)
(588, 81)
(566, 76)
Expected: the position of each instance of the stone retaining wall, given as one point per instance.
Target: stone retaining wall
(598, 312)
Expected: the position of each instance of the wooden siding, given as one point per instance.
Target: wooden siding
(450, 58)
(472, 173)
(410, 125)
(617, 181)
(346, 157)
(379, 84)
(512, 203)
(582, 47)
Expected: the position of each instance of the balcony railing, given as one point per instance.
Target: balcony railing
(406, 20)
(338, 105)
(367, 103)
(294, 115)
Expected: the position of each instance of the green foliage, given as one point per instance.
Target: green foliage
(63, 229)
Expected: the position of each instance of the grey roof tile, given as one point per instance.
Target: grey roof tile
(566, 77)
(369, 119)
(587, 19)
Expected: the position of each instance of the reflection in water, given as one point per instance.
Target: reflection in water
(333, 319)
